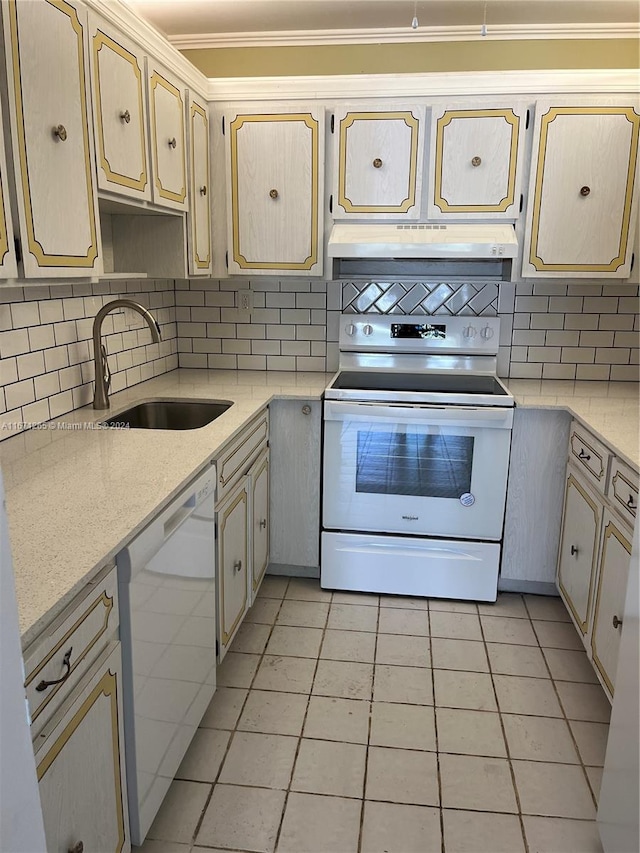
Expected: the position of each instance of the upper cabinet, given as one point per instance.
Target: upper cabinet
(120, 115)
(46, 53)
(378, 157)
(581, 211)
(168, 138)
(275, 177)
(8, 267)
(475, 162)
(199, 189)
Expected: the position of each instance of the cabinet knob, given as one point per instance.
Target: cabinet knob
(203, 190)
(617, 623)
(172, 142)
(237, 566)
(583, 455)
(263, 523)
(273, 193)
(574, 550)
(584, 191)
(306, 410)
(126, 116)
(77, 848)
(60, 132)
(377, 163)
(476, 161)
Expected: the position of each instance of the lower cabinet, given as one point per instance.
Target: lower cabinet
(595, 549)
(242, 525)
(80, 765)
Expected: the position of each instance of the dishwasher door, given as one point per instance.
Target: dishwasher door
(166, 584)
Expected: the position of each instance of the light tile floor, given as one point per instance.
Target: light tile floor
(349, 723)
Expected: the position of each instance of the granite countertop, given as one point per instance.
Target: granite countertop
(76, 494)
(611, 410)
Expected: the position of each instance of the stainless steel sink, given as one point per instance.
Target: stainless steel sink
(169, 414)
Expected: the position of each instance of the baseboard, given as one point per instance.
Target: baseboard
(293, 571)
(534, 587)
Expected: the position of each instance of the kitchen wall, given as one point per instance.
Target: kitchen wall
(549, 330)
(46, 351)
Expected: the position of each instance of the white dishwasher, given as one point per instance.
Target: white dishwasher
(166, 584)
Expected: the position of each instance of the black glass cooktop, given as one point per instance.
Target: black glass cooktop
(459, 383)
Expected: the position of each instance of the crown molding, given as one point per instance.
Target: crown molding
(465, 84)
(401, 35)
(124, 18)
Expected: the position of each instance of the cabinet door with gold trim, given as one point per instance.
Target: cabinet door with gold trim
(168, 138)
(80, 765)
(47, 64)
(475, 161)
(120, 115)
(274, 198)
(378, 162)
(260, 521)
(578, 549)
(199, 188)
(583, 190)
(8, 267)
(613, 573)
(234, 571)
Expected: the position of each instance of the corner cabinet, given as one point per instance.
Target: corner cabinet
(168, 138)
(476, 161)
(47, 70)
(378, 156)
(275, 180)
(200, 261)
(120, 113)
(583, 193)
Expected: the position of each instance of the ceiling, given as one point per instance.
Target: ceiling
(322, 20)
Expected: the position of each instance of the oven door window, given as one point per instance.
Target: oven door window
(408, 463)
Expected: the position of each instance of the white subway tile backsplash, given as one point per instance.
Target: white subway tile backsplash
(292, 286)
(280, 300)
(295, 315)
(626, 339)
(41, 337)
(74, 308)
(29, 365)
(283, 332)
(601, 304)
(524, 370)
(65, 333)
(596, 339)
(237, 346)
(597, 372)
(265, 348)
(14, 343)
(547, 321)
(204, 345)
(566, 304)
(311, 300)
(265, 315)
(578, 355)
(254, 331)
(581, 321)
(223, 362)
(188, 359)
(544, 354)
(47, 385)
(281, 362)
(8, 371)
(36, 413)
(625, 372)
(532, 303)
(252, 362)
(25, 314)
(20, 394)
(612, 355)
(524, 338)
(558, 371)
(562, 339)
(295, 348)
(312, 363)
(220, 299)
(521, 320)
(623, 322)
(549, 288)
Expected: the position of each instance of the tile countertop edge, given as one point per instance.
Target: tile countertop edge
(48, 572)
(610, 410)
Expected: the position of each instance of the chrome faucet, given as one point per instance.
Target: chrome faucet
(102, 372)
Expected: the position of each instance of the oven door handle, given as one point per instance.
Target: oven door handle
(468, 416)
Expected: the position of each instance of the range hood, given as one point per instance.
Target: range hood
(485, 242)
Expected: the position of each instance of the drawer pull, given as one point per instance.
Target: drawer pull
(263, 524)
(476, 161)
(306, 410)
(574, 550)
(77, 848)
(617, 623)
(583, 455)
(125, 116)
(60, 132)
(631, 503)
(172, 142)
(66, 661)
(377, 163)
(237, 566)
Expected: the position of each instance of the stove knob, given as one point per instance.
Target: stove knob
(486, 333)
(350, 330)
(367, 329)
(469, 332)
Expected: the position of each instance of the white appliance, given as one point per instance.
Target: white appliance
(417, 436)
(166, 584)
(21, 825)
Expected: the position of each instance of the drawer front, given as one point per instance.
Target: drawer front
(589, 455)
(622, 490)
(240, 454)
(78, 636)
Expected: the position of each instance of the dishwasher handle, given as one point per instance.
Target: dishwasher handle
(149, 541)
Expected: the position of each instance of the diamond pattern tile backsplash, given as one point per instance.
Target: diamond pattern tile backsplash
(425, 297)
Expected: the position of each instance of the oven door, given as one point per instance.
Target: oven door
(417, 469)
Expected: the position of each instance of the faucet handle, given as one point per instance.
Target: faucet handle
(106, 372)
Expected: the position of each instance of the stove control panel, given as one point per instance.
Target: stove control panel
(419, 333)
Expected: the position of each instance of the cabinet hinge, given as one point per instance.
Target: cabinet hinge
(18, 249)
(521, 202)
(526, 123)
(223, 125)
(331, 203)
(333, 118)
